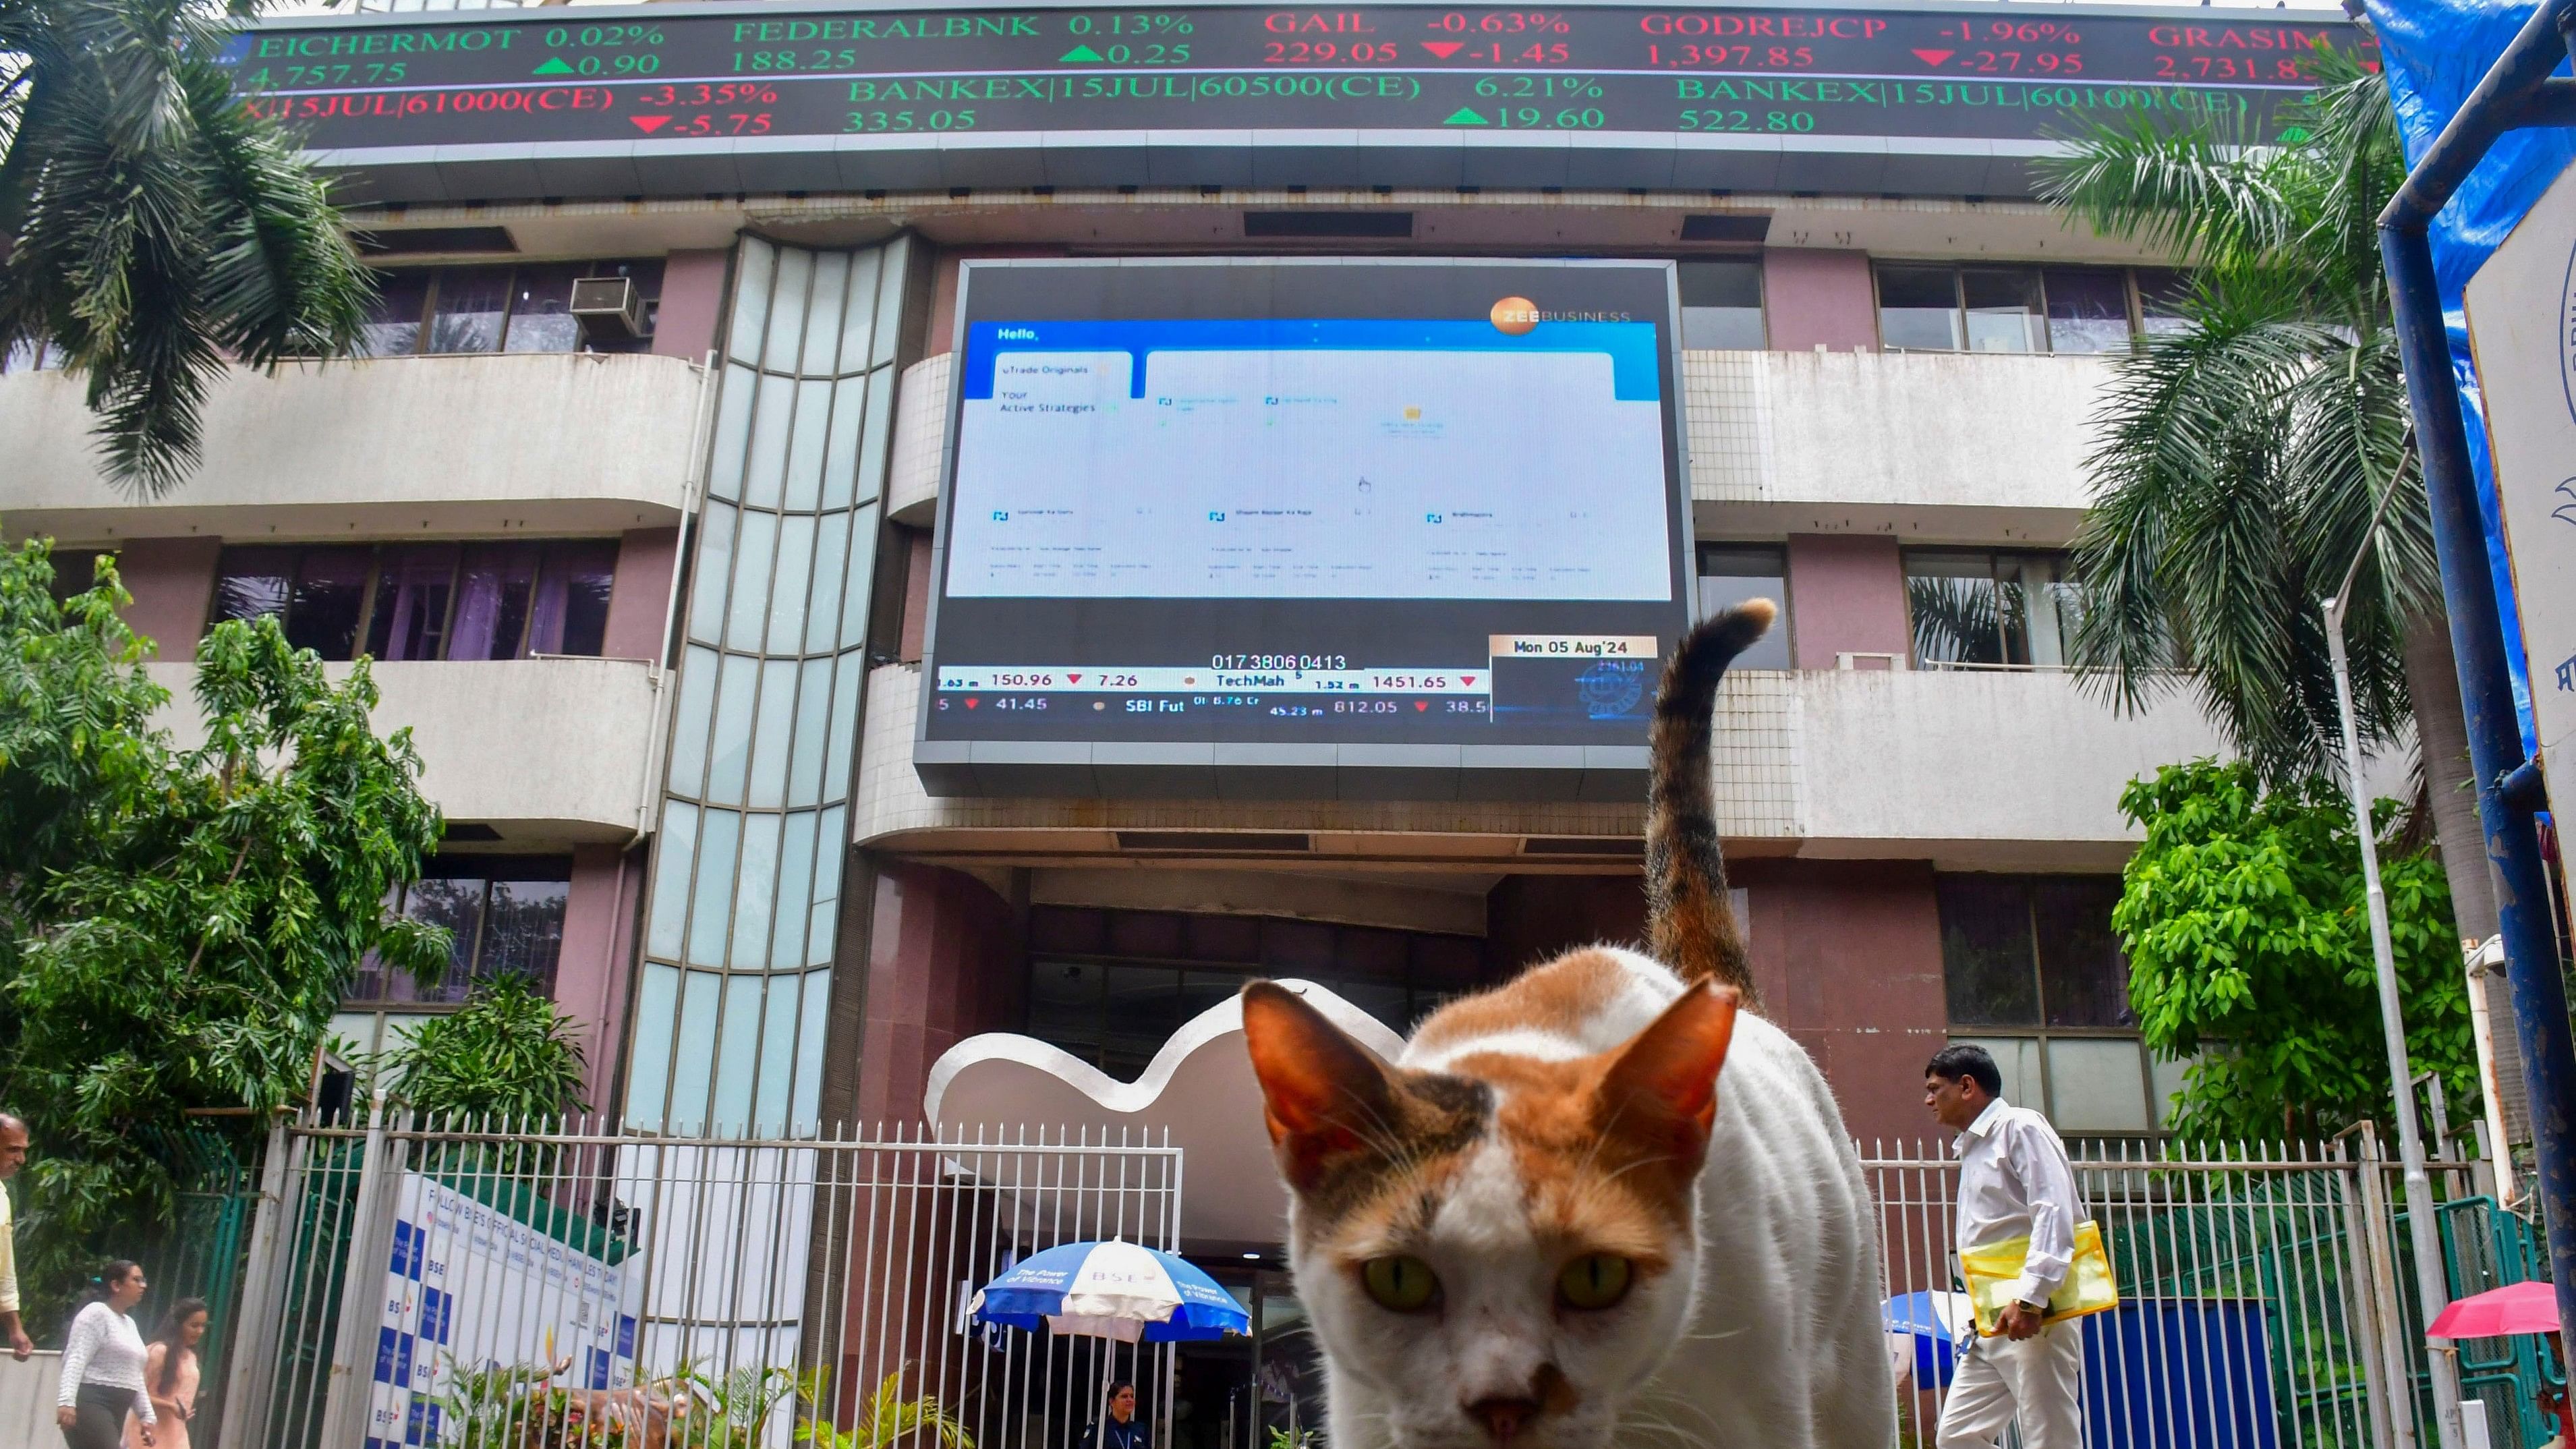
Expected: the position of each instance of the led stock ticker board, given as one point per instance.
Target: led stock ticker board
(774, 78)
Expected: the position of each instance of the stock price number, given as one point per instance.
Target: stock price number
(719, 123)
(911, 121)
(301, 77)
(1367, 706)
(744, 93)
(1731, 57)
(1325, 52)
(1723, 120)
(1131, 23)
(2231, 68)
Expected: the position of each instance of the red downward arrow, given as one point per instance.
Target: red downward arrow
(1444, 48)
(649, 124)
(970, 701)
(1467, 679)
(1076, 678)
(1421, 704)
(1934, 57)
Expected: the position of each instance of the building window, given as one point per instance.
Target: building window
(1722, 306)
(525, 307)
(426, 600)
(1991, 608)
(1729, 574)
(505, 917)
(2034, 974)
(1924, 307)
(1112, 986)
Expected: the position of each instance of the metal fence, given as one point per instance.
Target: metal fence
(494, 1288)
(582, 1288)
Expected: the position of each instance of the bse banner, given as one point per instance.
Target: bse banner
(490, 1276)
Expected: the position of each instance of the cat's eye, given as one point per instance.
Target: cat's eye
(1405, 1284)
(1594, 1281)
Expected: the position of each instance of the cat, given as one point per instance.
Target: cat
(1553, 1224)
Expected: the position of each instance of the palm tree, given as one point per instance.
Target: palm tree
(150, 227)
(2245, 454)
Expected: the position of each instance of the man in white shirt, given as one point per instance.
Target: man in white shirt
(13, 1155)
(2014, 1181)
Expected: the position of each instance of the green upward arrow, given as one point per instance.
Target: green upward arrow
(554, 66)
(1466, 116)
(1079, 52)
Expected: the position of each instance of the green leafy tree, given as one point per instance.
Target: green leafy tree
(150, 225)
(181, 922)
(507, 1054)
(2244, 454)
(881, 1420)
(2248, 939)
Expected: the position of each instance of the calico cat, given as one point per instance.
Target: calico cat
(1547, 1226)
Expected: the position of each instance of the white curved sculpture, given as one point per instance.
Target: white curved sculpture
(1199, 1087)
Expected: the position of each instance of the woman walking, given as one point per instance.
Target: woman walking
(170, 1376)
(103, 1366)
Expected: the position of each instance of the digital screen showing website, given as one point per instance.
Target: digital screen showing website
(1207, 502)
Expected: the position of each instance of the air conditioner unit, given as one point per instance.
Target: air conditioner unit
(610, 308)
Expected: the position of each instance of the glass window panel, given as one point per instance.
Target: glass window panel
(732, 432)
(823, 335)
(657, 1005)
(2096, 1086)
(779, 1052)
(523, 930)
(831, 839)
(787, 314)
(755, 893)
(695, 1061)
(795, 890)
(1144, 1009)
(467, 313)
(809, 1049)
(881, 340)
(1067, 1007)
(813, 725)
(871, 445)
(2003, 310)
(2088, 309)
(1730, 575)
(747, 619)
(858, 317)
(678, 847)
(1204, 991)
(840, 476)
(774, 725)
(1956, 607)
(690, 723)
(712, 895)
(2012, 611)
(790, 583)
(414, 585)
(1385, 1001)
(823, 609)
(862, 572)
(252, 583)
(755, 265)
(2030, 582)
(456, 903)
(1722, 305)
(772, 416)
(713, 574)
(2017, 1060)
(804, 467)
(492, 601)
(392, 328)
(330, 593)
(541, 317)
(1986, 964)
(573, 587)
(2162, 295)
(729, 742)
(1918, 307)
(2082, 975)
(846, 674)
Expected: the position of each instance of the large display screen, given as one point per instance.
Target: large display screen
(1326, 503)
(863, 86)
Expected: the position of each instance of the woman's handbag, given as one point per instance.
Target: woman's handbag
(1990, 1272)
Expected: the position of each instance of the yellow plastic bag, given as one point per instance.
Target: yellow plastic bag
(1991, 1271)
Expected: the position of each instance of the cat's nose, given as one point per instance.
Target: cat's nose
(1503, 1417)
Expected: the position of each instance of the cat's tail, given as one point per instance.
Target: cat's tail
(1690, 925)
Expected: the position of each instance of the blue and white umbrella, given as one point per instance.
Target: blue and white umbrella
(1112, 1290)
(1925, 1334)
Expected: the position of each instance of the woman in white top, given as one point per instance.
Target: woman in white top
(103, 1366)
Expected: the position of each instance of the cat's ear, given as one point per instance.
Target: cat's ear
(1664, 1081)
(1320, 1090)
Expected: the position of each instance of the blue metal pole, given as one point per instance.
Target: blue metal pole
(2502, 101)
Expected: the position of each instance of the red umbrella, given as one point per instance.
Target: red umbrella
(2514, 1308)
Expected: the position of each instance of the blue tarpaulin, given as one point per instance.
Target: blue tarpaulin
(2436, 52)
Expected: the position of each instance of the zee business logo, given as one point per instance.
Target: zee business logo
(1516, 316)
